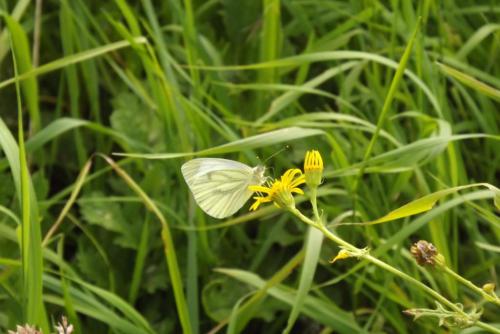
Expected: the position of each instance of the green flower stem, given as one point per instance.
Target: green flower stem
(472, 286)
(387, 267)
(313, 191)
(318, 225)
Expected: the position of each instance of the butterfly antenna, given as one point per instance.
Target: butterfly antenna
(276, 153)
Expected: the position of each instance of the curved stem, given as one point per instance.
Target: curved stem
(436, 295)
(472, 286)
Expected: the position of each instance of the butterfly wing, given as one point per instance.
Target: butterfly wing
(219, 186)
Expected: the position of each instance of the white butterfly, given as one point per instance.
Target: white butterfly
(220, 186)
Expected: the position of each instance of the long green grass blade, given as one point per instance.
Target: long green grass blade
(323, 312)
(269, 138)
(471, 82)
(428, 202)
(23, 61)
(388, 101)
(30, 243)
(312, 247)
(71, 59)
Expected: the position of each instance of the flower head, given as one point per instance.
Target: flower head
(313, 168)
(426, 253)
(27, 329)
(345, 253)
(279, 191)
(489, 288)
(64, 327)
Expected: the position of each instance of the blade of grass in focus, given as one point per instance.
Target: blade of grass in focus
(30, 240)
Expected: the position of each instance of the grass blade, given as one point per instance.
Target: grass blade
(266, 139)
(387, 102)
(169, 247)
(23, 59)
(326, 313)
(72, 59)
(31, 247)
(427, 202)
(471, 82)
(312, 246)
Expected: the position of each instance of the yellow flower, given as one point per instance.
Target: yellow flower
(489, 288)
(313, 168)
(279, 191)
(345, 253)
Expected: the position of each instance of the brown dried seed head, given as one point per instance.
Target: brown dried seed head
(424, 252)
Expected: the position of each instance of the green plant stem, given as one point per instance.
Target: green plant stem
(388, 267)
(318, 225)
(314, 202)
(471, 285)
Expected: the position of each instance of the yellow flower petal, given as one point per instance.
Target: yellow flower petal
(297, 191)
(279, 191)
(261, 189)
(343, 254)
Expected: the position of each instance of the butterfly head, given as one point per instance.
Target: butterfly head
(258, 174)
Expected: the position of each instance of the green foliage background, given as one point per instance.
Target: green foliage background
(132, 253)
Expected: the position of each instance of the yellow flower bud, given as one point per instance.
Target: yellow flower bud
(345, 253)
(313, 168)
(489, 288)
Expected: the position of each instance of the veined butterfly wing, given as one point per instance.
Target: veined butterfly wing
(220, 186)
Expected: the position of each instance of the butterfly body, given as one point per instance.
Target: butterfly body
(220, 186)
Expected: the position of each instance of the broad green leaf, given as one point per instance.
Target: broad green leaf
(105, 214)
(110, 216)
(269, 138)
(427, 202)
(131, 119)
(220, 295)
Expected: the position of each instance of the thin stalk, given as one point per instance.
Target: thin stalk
(388, 268)
(37, 31)
(314, 203)
(471, 285)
